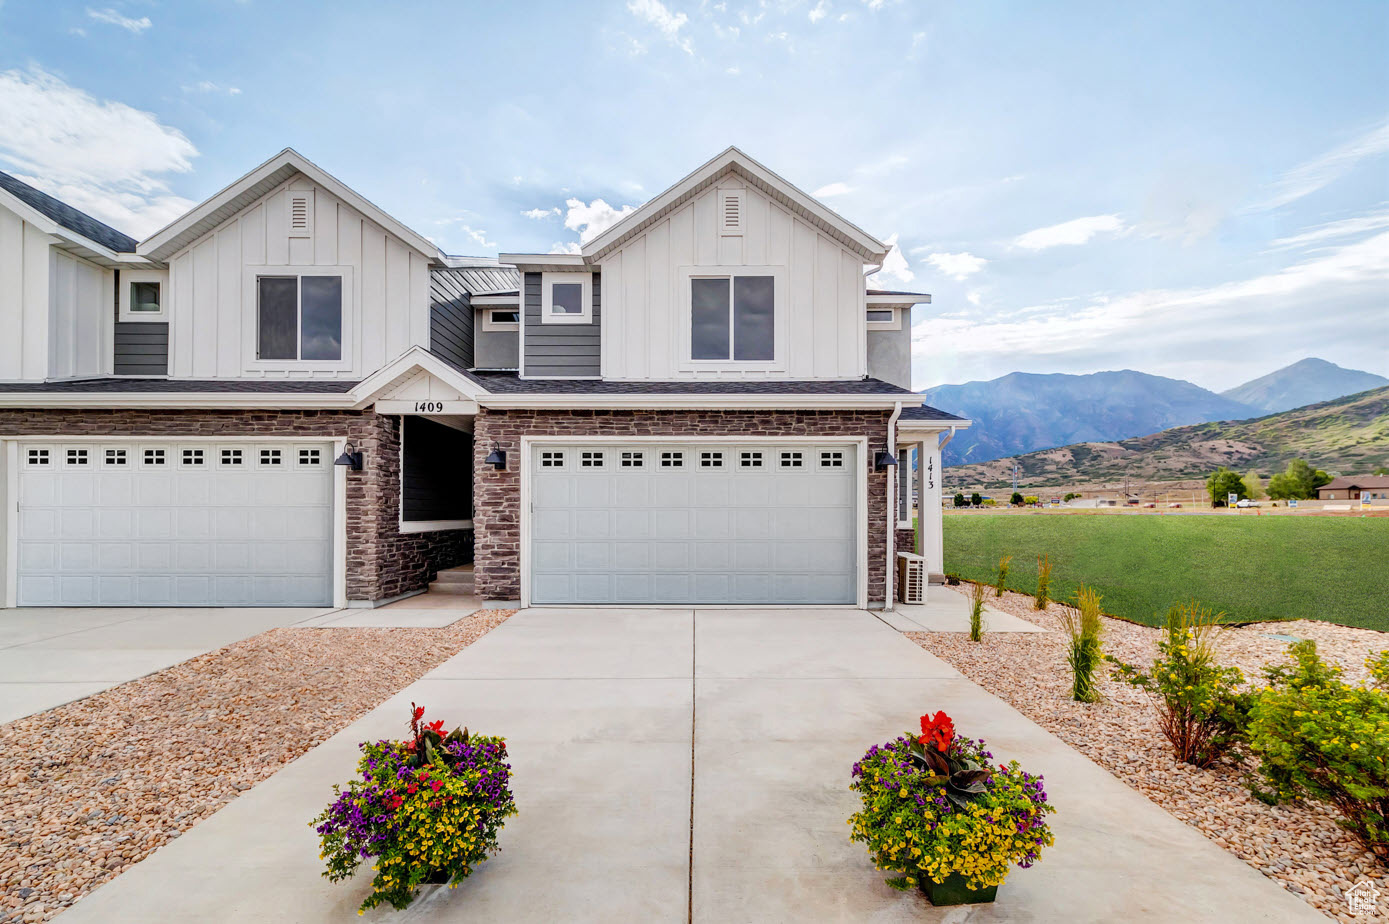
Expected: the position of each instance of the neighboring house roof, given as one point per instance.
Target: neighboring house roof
(68, 217)
(510, 383)
(121, 385)
(894, 292)
(732, 160)
(926, 412)
(486, 279)
(243, 192)
(1356, 481)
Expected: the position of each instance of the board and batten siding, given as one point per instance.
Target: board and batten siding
(385, 304)
(451, 334)
(644, 306)
(81, 298)
(142, 348)
(560, 350)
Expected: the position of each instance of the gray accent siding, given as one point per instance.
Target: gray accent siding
(890, 354)
(142, 348)
(450, 319)
(436, 477)
(495, 349)
(560, 350)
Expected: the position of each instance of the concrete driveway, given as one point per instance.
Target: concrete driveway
(53, 655)
(694, 765)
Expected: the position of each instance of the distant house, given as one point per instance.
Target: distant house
(1353, 487)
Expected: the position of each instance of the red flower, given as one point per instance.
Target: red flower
(419, 712)
(937, 730)
(437, 784)
(436, 727)
(411, 788)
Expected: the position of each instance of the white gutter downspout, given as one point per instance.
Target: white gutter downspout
(893, 485)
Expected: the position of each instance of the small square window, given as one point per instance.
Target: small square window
(144, 296)
(832, 458)
(115, 457)
(633, 458)
(591, 459)
(77, 457)
(193, 456)
(551, 459)
(38, 456)
(154, 456)
(310, 456)
(711, 459)
(271, 457)
(792, 459)
(232, 457)
(750, 459)
(672, 459)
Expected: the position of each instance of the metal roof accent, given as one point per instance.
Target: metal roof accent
(76, 221)
(487, 279)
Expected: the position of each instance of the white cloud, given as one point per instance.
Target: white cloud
(895, 267)
(1332, 230)
(61, 139)
(957, 266)
(593, 218)
(539, 214)
(819, 12)
(566, 247)
(113, 18)
(207, 86)
(975, 298)
(873, 4)
(1076, 231)
(669, 24)
(732, 71)
(832, 189)
(1308, 177)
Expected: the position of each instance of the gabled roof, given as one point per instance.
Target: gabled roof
(1357, 481)
(66, 216)
(245, 191)
(734, 161)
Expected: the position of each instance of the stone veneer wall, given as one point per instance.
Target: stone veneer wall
(382, 562)
(497, 494)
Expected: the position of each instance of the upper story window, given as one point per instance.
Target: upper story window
(299, 317)
(883, 319)
(566, 298)
(500, 319)
(733, 318)
(142, 295)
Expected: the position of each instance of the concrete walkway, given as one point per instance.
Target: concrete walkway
(947, 610)
(679, 765)
(54, 655)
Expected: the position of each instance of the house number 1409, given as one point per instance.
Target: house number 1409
(425, 407)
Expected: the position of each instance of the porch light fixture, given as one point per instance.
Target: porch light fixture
(496, 458)
(350, 457)
(882, 460)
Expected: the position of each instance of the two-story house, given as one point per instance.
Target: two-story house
(287, 397)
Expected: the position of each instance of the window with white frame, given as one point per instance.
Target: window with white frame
(77, 457)
(299, 317)
(38, 456)
(883, 319)
(566, 298)
(142, 295)
(591, 458)
(733, 318)
(115, 457)
(551, 458)
(501, 319)
(193, 457)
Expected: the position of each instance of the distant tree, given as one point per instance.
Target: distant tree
(959, 500)
(1298, 481)
(1031, 499)
(975, 499)
(1223, 483)
(1253, 485)
(1070, 496)
(1382, 470)
(1015, 500)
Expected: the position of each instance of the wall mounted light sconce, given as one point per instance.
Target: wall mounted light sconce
(882, 460)
(350, 457)
(496, 458)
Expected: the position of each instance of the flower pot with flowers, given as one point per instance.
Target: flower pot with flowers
(939, 813)
(427, 808)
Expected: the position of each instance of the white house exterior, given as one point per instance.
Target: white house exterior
(708, 405)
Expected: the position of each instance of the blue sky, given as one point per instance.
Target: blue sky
(1191, 189)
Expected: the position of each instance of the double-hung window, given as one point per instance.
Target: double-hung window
(299, 317)
(733, 317)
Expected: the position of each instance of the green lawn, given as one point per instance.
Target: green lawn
(1254, 568)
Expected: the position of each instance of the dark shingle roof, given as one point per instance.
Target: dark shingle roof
(67, 216)
(926, 412)
(119, 385)
(506, 383)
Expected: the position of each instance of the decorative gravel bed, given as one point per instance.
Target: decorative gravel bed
(1300, 846)
(93, 786)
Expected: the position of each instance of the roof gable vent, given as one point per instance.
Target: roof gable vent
(300, 214)
(730, 212)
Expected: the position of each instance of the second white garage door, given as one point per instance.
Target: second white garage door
(733, 524)
(149, 523)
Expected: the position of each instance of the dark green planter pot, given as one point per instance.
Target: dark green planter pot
(955, 890)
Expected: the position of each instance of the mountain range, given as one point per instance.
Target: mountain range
(1023, 412)
(1349, 435)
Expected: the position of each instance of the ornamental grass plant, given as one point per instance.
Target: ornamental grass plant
(976, 612)
(428, 810)
(1040, 599)
(1084, 628)
(936, 808)
(1000, 584)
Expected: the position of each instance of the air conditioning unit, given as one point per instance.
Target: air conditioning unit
(911, 578)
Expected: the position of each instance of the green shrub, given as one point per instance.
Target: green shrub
(959, 500)
(1070, 496)
(1003, 564)
(1222, 483)
(1200, 706)
(1031, 499)
(975, 500)
(976, 611)
(1084, 627)
(1040, 598)
(1015, 500)
(1322, 739)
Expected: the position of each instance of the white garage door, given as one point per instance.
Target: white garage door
(693, 524)
(175, 524)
